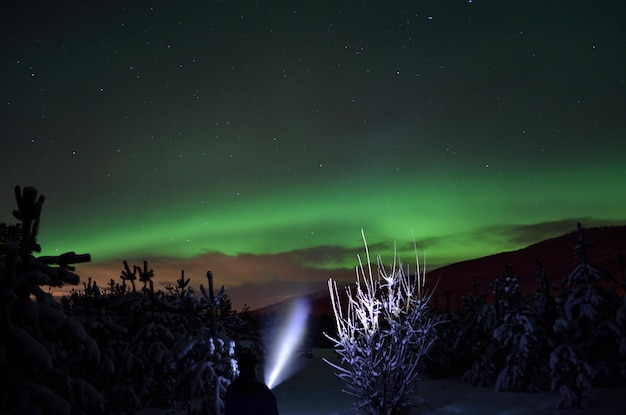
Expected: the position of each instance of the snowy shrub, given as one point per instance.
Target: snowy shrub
(382, 334)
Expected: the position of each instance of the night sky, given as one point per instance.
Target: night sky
(257, 138)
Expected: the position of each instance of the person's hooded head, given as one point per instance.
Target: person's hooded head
(247, 362)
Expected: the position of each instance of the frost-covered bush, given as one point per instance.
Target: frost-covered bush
(382, 334)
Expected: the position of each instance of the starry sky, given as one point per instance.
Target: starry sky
(257, 138)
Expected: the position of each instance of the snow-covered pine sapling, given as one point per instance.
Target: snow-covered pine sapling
(587, 349)
(145, 276)
(181, 286)
(620, 331)
(618, 325)
(543, 302)
(128, 275)
(28, 212)
(489, 353)
(178, 292)
(91, 288)
(382, 334)
(528, 346)
(43, 347)
(458, 334)
(212, 300)
(525, 336)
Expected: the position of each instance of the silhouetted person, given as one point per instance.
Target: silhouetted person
(246, 395)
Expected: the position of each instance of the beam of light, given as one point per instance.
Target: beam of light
(282, 349)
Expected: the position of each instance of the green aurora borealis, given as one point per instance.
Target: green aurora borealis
(257, 139)
(313, 216)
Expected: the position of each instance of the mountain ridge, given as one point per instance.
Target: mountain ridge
(606, 248)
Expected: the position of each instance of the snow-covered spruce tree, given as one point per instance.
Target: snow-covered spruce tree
(40, 345)
(587, 349)
(542, 300)
(458, 334)
(465, 330)
(382, 334)
(619, 328)
(618, 325)
(526, 338)
(528, 346)
(489, 353)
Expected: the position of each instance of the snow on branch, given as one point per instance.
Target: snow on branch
(383, 331)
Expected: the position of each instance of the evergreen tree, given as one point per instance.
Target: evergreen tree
(586, 350)
(43, 347)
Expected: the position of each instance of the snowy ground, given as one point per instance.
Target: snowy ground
(315, 390)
